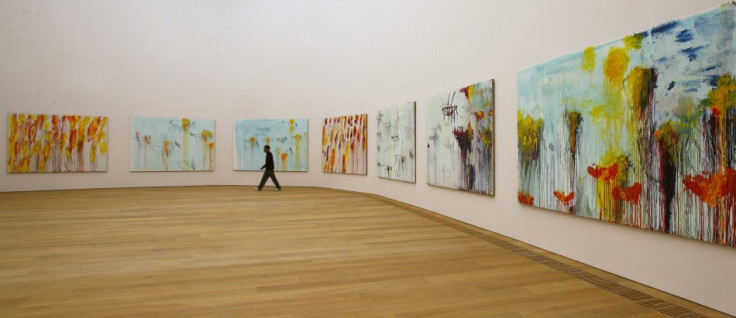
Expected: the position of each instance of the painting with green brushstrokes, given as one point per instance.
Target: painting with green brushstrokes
(640, 131)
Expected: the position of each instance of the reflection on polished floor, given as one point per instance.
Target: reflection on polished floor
(228, 251)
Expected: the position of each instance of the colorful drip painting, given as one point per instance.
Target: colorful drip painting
(172, 144)
(397, 142)
(344, 141)
(460, 139)
(56, 143)
(640, 131)
(288, 139)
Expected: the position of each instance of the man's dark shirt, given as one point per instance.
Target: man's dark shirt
(269, 161)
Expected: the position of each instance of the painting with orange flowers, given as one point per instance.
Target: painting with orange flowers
(640, 131)
(172, 144)
(460, 139)
(344, 144)
(56, 143)
(288, 139)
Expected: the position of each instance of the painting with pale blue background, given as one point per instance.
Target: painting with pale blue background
(397, 142)
(288, 139)
(639, 131)
(172, 144)
(460, 139)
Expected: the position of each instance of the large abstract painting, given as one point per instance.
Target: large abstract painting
(344, 142)
(640, 131)
(172, 144)
(287, 138)
(56, 143)
(397, 142)
(460, 139)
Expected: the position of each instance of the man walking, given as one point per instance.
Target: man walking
(269, 170)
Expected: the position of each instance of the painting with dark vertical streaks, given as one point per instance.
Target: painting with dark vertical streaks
(397, 142)
(56, 143)
(460, 139)
(172, 144)
(640, 131)
(287, 138)
(344, 143)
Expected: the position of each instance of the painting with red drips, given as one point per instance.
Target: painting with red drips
(641, 129)
(460, 139)
(344, 141)
(56, 143)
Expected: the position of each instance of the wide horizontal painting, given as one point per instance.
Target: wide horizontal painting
(460, 139)
(172, 144)
(397, 142)
(287, 138)
(344, 142)
(56, 143)
(639, 131)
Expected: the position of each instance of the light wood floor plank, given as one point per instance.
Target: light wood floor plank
(228, 251)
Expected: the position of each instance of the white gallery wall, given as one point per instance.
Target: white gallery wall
(229, 60)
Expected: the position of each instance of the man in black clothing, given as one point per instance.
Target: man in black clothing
(269, 170)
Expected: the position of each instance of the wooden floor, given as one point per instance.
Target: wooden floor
(228, 251)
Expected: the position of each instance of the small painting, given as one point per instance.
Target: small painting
(344, 142)
(397, 142)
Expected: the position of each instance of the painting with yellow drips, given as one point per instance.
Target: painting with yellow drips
(172, 144)
(56, 143)
(640, 131)
(288, 139)
(344, 144)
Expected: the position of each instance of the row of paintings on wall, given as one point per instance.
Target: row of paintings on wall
(70, 143)
(184, 144)
(640, 131)
(460, 142)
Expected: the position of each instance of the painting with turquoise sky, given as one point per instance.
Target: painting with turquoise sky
(640, 131)
(172, 144)
(287, 138)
